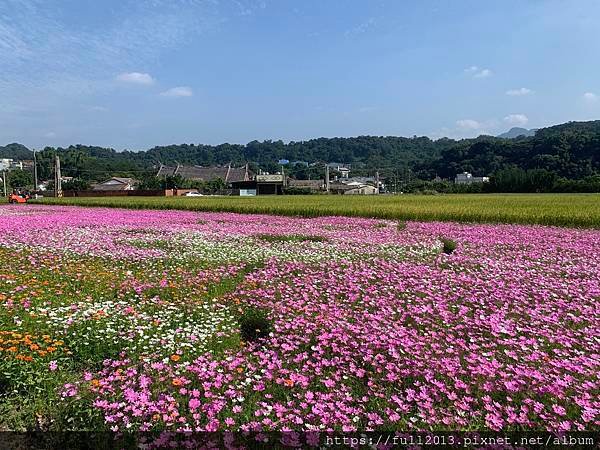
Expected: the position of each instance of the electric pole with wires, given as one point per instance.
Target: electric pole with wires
(57, 178)
(35, 176)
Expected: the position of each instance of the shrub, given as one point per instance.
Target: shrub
(449, 245)
(254, 325)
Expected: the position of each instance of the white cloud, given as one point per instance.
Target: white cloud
(484, 73)
(516, 119)
(136, 78)
(179, 91)
(478, 72)
(469, 124)
(590, 97)
(519, 92)
(50, 134)
(471, 128)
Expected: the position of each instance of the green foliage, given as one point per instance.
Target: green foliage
(76, 184)
(401, 226)
(448, 245)
(254, 324)
(515, 179)
(20, 179)
(152, 182)
(16, 151)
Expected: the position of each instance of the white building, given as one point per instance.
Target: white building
(5, 163)
(467, 178)
(364, 189)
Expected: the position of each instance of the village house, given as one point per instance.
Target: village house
(312, 185)
(116, 184)
(352, 189)
(198, 173)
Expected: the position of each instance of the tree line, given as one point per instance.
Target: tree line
(560, 158)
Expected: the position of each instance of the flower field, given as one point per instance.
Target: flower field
(129, 320)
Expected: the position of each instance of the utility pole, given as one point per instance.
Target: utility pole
(35, 178)
(57, 178)
(377, 182)
(326, 178)
(4, 182)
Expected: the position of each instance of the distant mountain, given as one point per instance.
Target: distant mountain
(516, 132)
(15, 151)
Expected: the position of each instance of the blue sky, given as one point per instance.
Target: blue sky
(134, 74)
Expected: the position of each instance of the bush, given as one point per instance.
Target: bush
(449, 245)
(76, 184)
(254, 325)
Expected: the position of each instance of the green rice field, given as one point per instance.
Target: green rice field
(572, 210)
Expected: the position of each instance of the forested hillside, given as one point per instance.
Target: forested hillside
(15, 151)
(567, 151)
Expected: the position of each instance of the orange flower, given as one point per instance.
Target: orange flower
(95, 383)
(175, 358)
(177, 382)
(240, 369)
(288, 382)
